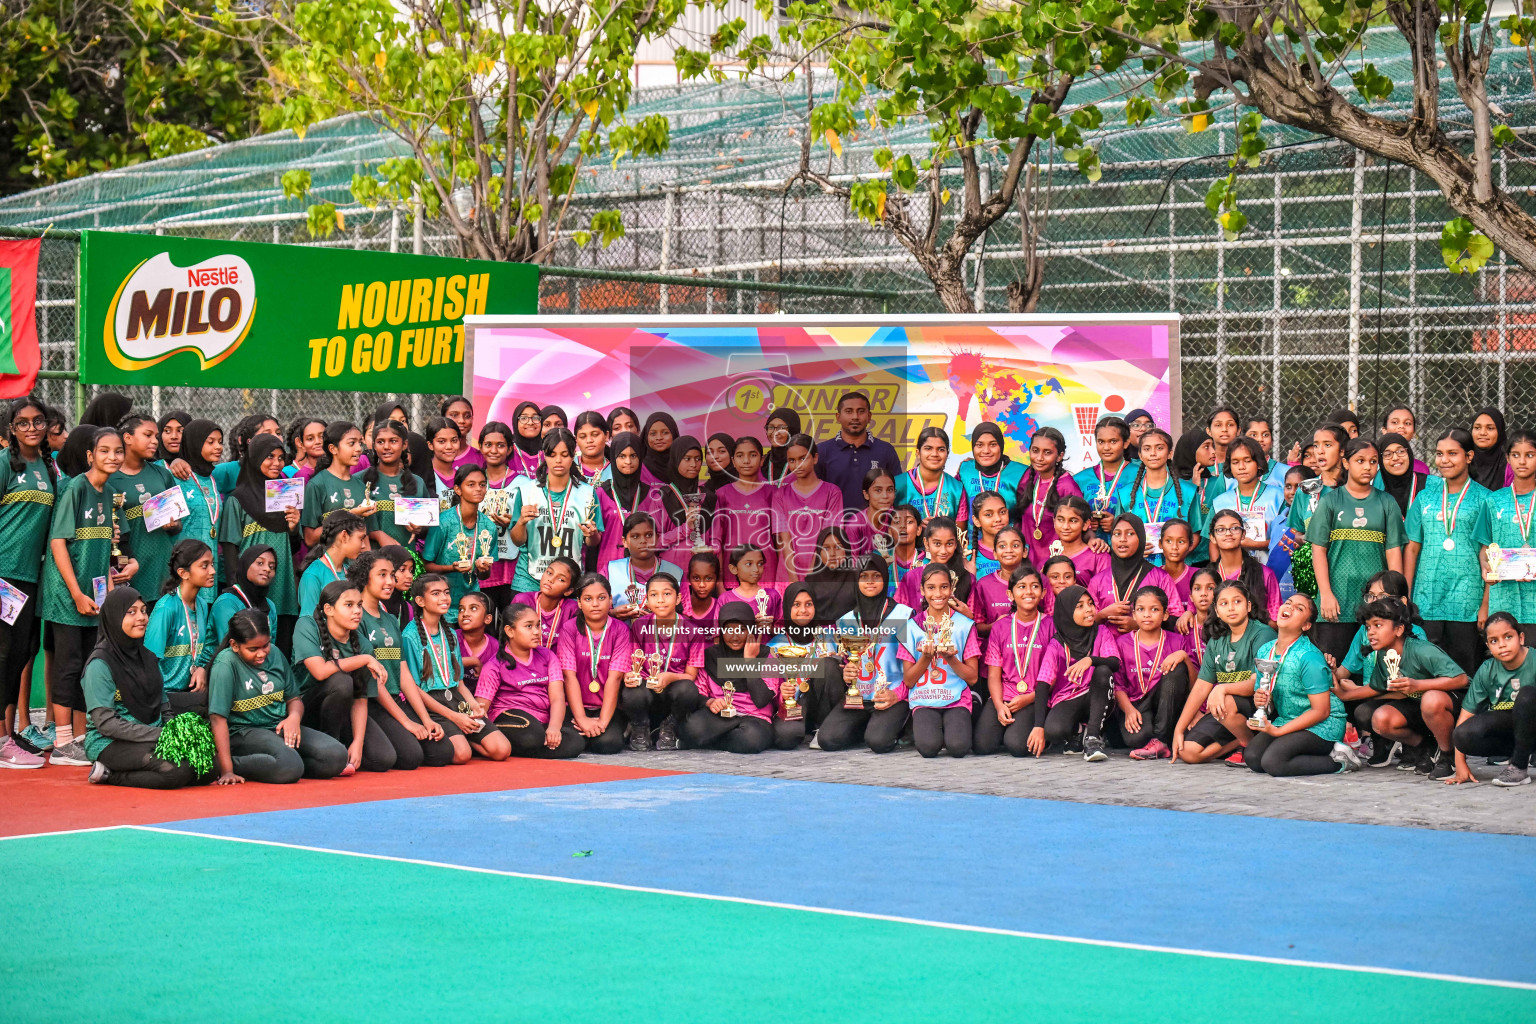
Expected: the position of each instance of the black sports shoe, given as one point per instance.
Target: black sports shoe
(1383, 753)
(1426, 759)
(1412, 755)
(1444, 765)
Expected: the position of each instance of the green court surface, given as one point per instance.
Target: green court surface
(127, 924)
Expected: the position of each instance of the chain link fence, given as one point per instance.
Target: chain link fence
(1335, 295)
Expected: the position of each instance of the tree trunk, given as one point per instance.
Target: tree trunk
(949, 282)
(1024, 294)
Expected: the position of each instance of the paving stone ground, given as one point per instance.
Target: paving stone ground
(1370, 797)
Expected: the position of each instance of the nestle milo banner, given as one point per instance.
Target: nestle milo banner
(159, 310)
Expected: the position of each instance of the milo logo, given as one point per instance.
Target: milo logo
(161, 309)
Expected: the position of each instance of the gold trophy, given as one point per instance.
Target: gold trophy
(1392, 665)
(969, 553)
(636, 595)
(729, 711)
(694, 504)
(462, 546)
(483, 542)
(854, 648)
(118, 501)
(1266, 671)
(1495, 556)
(1056, 548)
(636, 666)
(793, 652)
(944, 639)
(761, 600)
(654, 665)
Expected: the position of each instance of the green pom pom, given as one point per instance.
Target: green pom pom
(187, 739)
(1302, 574)
(418, 564)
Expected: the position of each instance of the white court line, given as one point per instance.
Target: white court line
(64, 832)
(982, 929)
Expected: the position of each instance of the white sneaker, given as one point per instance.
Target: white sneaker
(1345, 755)
(99, 774)
(815, 745)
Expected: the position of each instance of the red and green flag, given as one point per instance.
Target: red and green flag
(20, 358)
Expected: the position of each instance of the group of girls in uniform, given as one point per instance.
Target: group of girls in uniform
(608, 583)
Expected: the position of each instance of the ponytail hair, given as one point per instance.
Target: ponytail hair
(1026, 486)
(1252, 574)
(449, 634)
(1508, 620)
(244, 626)
(1023, 572)
(334, 525)
(1151, 590)
(1462, 438)
(333, 435)
(329, 595)
(1215, 626)
(183, 555)
(407, 478)
(463, 473)
(516, 613)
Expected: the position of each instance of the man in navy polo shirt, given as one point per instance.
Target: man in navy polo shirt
(845, 459)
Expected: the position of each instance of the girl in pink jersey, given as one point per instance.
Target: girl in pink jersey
(1016, 654)
(744, 506)
(1154, 678)
(594, 651)
(991, 595)
(738, 704)
(1080, 670)
(662, 688)
(525, 690)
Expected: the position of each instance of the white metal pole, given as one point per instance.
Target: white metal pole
(1356, 255)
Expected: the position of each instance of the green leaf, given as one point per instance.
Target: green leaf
(1504, 135)
(1463, 248)
(322, 220)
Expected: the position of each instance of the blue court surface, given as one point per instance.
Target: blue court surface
(1445, 904)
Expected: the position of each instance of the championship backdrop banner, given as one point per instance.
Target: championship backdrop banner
(725, 373)
(158, 310)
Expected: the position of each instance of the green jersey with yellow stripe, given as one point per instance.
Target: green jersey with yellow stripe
(250, 696)
(26, 511)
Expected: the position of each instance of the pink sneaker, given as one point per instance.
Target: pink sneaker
(13, 756)
(1235, 759)
(1154, 749)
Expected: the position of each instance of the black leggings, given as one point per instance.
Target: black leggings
(1092, 708)
(1497, 733)
(741, 734)
(947, 729)
(388, 744)
(526, 734)
(1295, 753)
(843, 728)
(72, 648)
(990, 735)
(328, 704)
(1159, 709)
(1460, 640)
(884, 727)
(640, 704)
(260, 755)
(18, 646)
(611, 739)
(135, 764)
(788, 733)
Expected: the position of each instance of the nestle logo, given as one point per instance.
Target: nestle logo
(207, 277)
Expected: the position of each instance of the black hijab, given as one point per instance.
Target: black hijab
(134, 669)
(1400, 485)
(555, 411)
(1184, 453)
(194, 435)
(257, 595)
(72, 457)
(384, 413)
(835, 588)
(727, 475)
(1129, 573)
(778, 455)
(178, 416)
(803, 635)
(627, 488)
(107, 410)
(1078, 640)
(527, 445)
(731, 611)
(669, 497)
(981, 430)
(871, 611)
(1488, 464)
(251, 490)
(653, 460)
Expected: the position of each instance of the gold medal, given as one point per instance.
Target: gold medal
(593, 686)
(1038, 534)
(554, 541)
